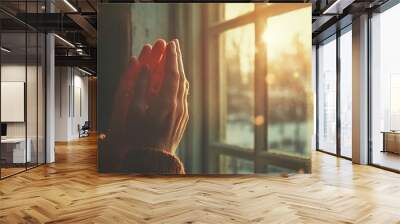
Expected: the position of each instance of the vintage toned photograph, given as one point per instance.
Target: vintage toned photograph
(205, 88)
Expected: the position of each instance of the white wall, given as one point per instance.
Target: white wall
(71, 92)
(33, 127)
(16, 73)
(61, 103)
(10, 73)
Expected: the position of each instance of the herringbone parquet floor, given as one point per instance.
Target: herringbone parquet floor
(71, 191)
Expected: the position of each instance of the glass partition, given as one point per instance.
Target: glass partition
(22, 92)
(14, 153)
(327, 96)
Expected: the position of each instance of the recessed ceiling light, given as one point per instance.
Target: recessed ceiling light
(5, 50)
(337, 7)
(65, 41)
(84, 71)
(70, 5)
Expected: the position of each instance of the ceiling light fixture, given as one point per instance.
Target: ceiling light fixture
(65, 41)
(5, 50)
(337, 7)
(84, 71)
(70, 5)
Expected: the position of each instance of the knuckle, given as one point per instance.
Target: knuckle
(175, 75)
(174, 104)
(174, 54)
(179, 110)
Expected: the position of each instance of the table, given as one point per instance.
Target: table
(13, 150)
(391, 141)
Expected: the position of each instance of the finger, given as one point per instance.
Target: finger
(180, 62)
(183, 128)
(183, 125)
(128, 78)
(182, 80)
(180, 108)
(170, 85)
(160, 71)
(139, 97)
(124, 93)
(156, 52)
(145, 55)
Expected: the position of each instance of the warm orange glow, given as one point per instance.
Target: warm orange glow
(279, 38)
(233, 10)
(287, 44)
(259, 120)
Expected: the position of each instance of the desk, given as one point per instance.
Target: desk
(391, 141)
(13, 150)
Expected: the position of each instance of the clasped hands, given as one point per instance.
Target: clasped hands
(150, 108)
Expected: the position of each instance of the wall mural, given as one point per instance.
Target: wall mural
(204, 88)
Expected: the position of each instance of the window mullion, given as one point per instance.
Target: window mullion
(260, 72)
(338, 82)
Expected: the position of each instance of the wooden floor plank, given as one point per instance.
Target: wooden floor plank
(71, 191)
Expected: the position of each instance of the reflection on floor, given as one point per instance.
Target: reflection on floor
(386, 159)
(71, 191)
(11, 169)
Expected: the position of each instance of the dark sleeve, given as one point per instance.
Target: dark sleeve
(147, 161)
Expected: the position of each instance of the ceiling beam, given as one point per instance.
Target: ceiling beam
(83, 61)
(84, 24)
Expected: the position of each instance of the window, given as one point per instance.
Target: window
(385, 89)
(234, 10)
(327, 96)
(230, 164)
(334, 84)
(257, 68)
(237, 86)
(288, 106)
(346, 93)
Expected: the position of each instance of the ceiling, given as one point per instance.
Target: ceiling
(74, 21)
(332, 15)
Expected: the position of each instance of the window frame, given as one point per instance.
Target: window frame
(41, 43)
(260, 155)
(337, 37)
(371, 14)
